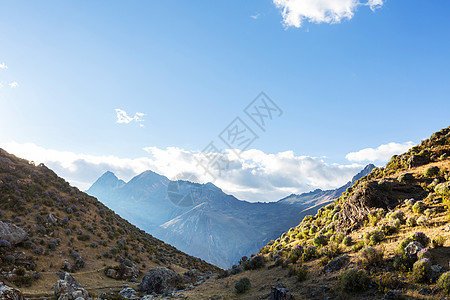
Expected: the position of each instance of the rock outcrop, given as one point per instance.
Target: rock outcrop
(12, 233)
(67, 288)
(159, 280)
(9, 293)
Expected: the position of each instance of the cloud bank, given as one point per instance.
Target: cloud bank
(381, 154)
(255, 176)
(296, 12)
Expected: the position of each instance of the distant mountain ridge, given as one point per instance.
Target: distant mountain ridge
(320, 196)
(217, 227)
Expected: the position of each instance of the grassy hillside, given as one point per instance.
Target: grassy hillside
(68, 229)
(366, 244)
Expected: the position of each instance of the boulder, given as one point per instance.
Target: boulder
(279, 292)
(112, 273)
(67, 288)
(418, 160)
(128, 270)
(413, 248)
(159, 280)
(9, 293)
(336, 264)
(67, 266)
(436, 271)
(12, 233)
(128, 293)
(193, 273)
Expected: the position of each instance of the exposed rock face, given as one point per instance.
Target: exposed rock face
(373, 194)
(12, 233)
(336, 264)
(413, 248)
(159, 280)
(112, 273)
(68, 288)
(279, 292)
(417, 160)
(128, 270)
(9, 293)
(128, 293)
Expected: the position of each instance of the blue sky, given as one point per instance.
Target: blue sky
(345, 81)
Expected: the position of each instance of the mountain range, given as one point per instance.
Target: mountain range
(202, 220)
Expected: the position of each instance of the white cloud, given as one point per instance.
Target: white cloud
(256, 176)
(381, 154)
(295, 12)
(255, 16)
(13, 84)
(3, 66)
(123, 118)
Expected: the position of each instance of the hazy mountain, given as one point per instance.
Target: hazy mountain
(319, 196)
(201, 219)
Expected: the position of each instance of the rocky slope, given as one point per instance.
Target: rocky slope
(386, 237)
(47, 226)
(209, 223)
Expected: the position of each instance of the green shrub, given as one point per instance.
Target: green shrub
(371, 257)
(353, 280)
(421, 270)
(330, 251)
(313, 230)
(418, 207)
(443, 189)
(20, 271)
(302, 274)
(429, 212)
(242, 285)
(309, 253)
(374, 237)
(83, 237)
(376, 215)
(407, 177)
(256, 262)
(411, 221)
(389, 281)
(444, 282)
(390, 228)
(422, 221)
(397, 215)
(438, 241)
(347, 241)
(431, 171)
(358, 246)
(403, 263)
(424, 253)
(320, 240)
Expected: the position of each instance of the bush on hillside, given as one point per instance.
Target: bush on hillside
(431, 171)
(347, 241)
(353, 280)
(444, 282)
(438, 241)
(371, 257)
(422, 270)
(242, 285)
(418, 207)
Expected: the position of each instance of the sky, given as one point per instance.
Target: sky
(90, 86)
